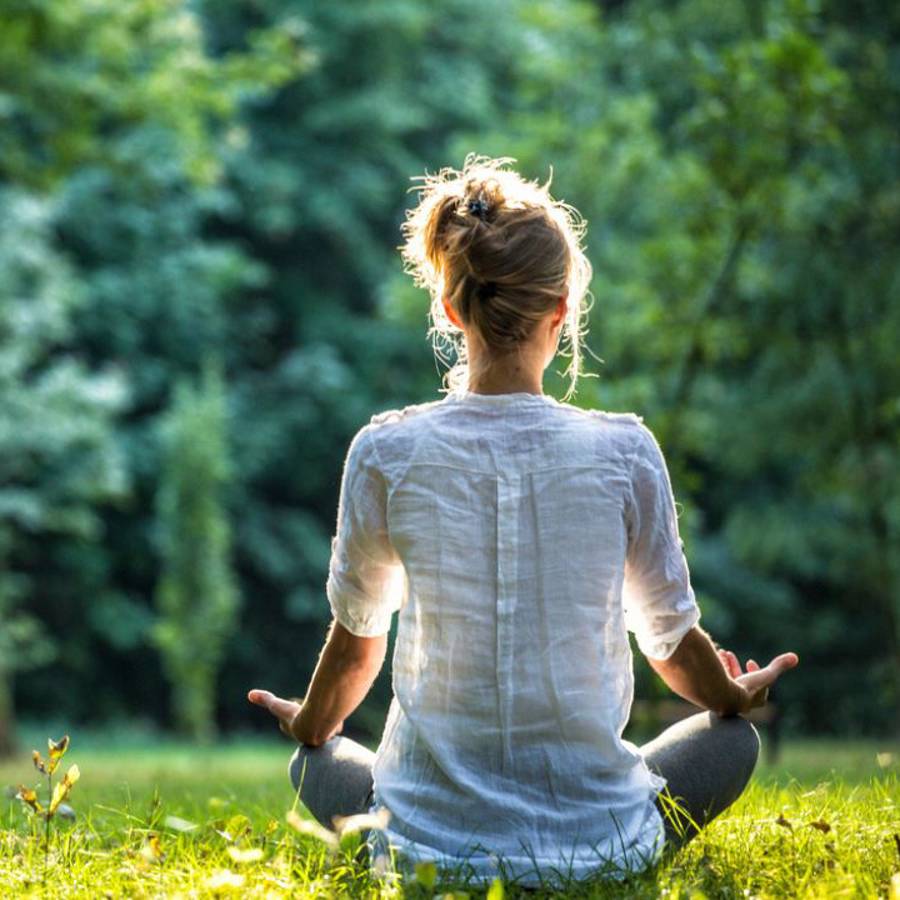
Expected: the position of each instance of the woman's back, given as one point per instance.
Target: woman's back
(505, 527)
(520, 538)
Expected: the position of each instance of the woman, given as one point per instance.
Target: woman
(520, 538)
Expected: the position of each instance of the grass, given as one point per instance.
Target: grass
(135, 802)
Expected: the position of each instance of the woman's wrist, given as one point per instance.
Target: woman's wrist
(300, 727)
(307, 732)
(736, 702)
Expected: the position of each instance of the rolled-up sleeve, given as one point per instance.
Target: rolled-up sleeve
(660, 606)
(366, 579)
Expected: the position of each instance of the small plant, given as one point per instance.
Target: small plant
(56, 796)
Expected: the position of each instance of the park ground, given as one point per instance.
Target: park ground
(162, 819)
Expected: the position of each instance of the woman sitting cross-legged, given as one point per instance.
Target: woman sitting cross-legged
(520, 538)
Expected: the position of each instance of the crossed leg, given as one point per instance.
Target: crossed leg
(334, 779)
(706, 759)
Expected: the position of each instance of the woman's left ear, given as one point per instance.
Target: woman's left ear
(451, 315)
(562, 308)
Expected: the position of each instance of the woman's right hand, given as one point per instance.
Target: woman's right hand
(756, 681)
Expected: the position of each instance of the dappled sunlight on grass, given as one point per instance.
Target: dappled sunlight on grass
(171, 820)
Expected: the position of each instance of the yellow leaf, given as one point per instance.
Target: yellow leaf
(426, 874)
(894, 892)
(29, 797)
(238, 825)
(61, 791)
(38, 762)
(57, 752)
(152, 850)
(250, 855)
(495, 892)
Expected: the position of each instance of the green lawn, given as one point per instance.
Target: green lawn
(238, 796)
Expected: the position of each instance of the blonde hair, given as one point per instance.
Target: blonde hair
(502, 251)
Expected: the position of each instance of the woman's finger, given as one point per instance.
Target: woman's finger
(729, 661)
(769, 675)
(783, 662)
(259, 697)
(280, 708)
(735, 664)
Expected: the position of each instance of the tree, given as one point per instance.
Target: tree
(57, 457)
(197, 596)
(737, 165)
(112, 122)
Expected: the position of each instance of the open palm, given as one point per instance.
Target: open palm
(285, 711)
(756, 680)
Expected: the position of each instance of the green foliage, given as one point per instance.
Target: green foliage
(115, 121)
(56, 455)
(184, 180)
(197, 596)
(118, 68)
(745, 305)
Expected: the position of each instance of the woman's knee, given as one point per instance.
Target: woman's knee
(334, 778)
(747, 737)
(300, 763)
(742, 742)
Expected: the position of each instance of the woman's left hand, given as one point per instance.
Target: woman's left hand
(287, 713)
(283, 710)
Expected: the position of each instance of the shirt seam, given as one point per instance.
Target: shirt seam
(499, 474)
(632, 504)
(388, 492)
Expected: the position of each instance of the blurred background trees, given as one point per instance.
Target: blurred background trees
(181, 181)
(196, 595)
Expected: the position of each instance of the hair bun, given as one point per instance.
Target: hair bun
(479, 207)
(500, 252)
(483, 197)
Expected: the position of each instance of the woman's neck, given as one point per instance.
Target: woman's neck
(520, 370)
(510, 374)
(506, 386)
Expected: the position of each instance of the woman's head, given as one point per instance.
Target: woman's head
(500, 252)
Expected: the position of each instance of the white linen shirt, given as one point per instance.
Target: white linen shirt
(520, 538)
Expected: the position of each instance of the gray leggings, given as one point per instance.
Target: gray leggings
(707, 760)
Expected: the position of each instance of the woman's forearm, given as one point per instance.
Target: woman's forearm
(695, 672)
(343, 676)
